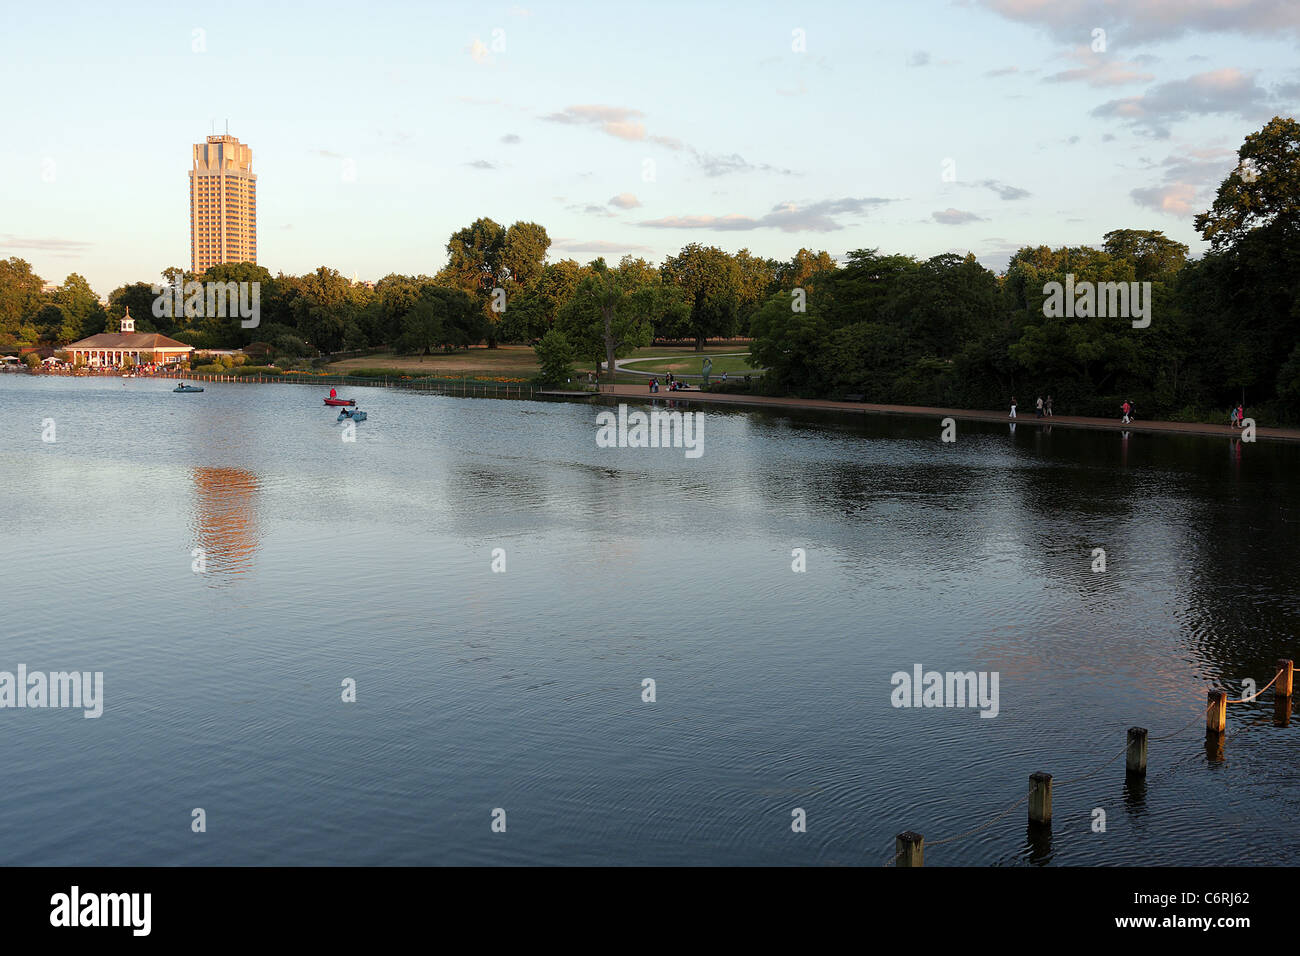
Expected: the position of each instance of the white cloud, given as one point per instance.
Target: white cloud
(955, 217)
(822, 216)
(1141, 21)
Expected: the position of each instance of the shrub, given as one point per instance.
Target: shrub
(555, 356)
(736, 385)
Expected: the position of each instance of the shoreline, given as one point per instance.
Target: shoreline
(1200, 429)
(639, 394)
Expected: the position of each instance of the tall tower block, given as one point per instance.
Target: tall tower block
(223, 204)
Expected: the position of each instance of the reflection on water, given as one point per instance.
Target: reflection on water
(225, 521)
(373, 560)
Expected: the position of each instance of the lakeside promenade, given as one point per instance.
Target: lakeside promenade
(640, 393)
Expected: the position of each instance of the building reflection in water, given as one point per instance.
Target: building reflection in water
(224, 521)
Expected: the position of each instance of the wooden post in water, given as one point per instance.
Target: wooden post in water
(1216, 712)
(1040, 797)
(1135, 760)
(909, 849)
(1285, 682)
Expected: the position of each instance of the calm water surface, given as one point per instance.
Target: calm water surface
(371, 560)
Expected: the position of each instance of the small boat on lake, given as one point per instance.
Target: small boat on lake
(187, 388)
(340, 401)
(346, 415)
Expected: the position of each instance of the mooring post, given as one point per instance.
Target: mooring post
(1040, 797)
(1135, 760)
(909, 849)
(1284, 681)
(1216, 712)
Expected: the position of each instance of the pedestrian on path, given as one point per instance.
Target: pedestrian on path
(1047, 406)
(1241, 416)
(1038, 411)
(1013, 406)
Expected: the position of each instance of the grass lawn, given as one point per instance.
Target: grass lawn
(689, 364)
(508, 360)
(519, 361)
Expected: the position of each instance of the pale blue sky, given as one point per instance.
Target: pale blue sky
(378, 129)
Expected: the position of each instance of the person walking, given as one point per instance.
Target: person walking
(1038, 410)
(1013, 406)
(1241, 416)
(1125, 407)
(1047, 406)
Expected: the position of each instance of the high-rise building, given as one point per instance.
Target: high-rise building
(223, 204)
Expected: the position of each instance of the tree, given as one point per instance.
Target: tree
(799, 270)
(85, 316)
(20, 295)
(524, 253)
(756, 281)
(531, 314)
(604, 315)
(1263, 192)
(51, 323)
(555, 356)
(710, 280)
(1154, 256)
(788, 343)
(139, 298)
(323, 310)
(484, 257)
(439, 317)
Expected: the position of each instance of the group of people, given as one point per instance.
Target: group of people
(673, 384)
(1043, 409)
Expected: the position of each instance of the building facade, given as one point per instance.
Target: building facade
(113, 348)
(223, 204)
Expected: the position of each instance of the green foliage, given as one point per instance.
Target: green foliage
(940, 331)
(555, 356)
(710, 281)
(608, 316)
(432, 316)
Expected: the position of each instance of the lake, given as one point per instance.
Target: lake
(321, 561)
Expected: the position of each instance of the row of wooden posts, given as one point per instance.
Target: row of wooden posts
(909, 846)
(466, 386)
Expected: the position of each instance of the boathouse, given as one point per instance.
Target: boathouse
(112, 348)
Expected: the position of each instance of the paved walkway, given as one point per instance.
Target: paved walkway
(623, 365)
(641, 393)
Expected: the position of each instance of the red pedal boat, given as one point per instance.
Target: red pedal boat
(340, 401)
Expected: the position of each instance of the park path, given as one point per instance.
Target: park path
(622, 365)
(960, 414)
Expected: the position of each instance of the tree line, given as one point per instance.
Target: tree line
(890, 327)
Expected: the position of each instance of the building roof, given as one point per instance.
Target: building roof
(129, 340)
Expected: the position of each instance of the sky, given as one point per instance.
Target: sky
(378, 129)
